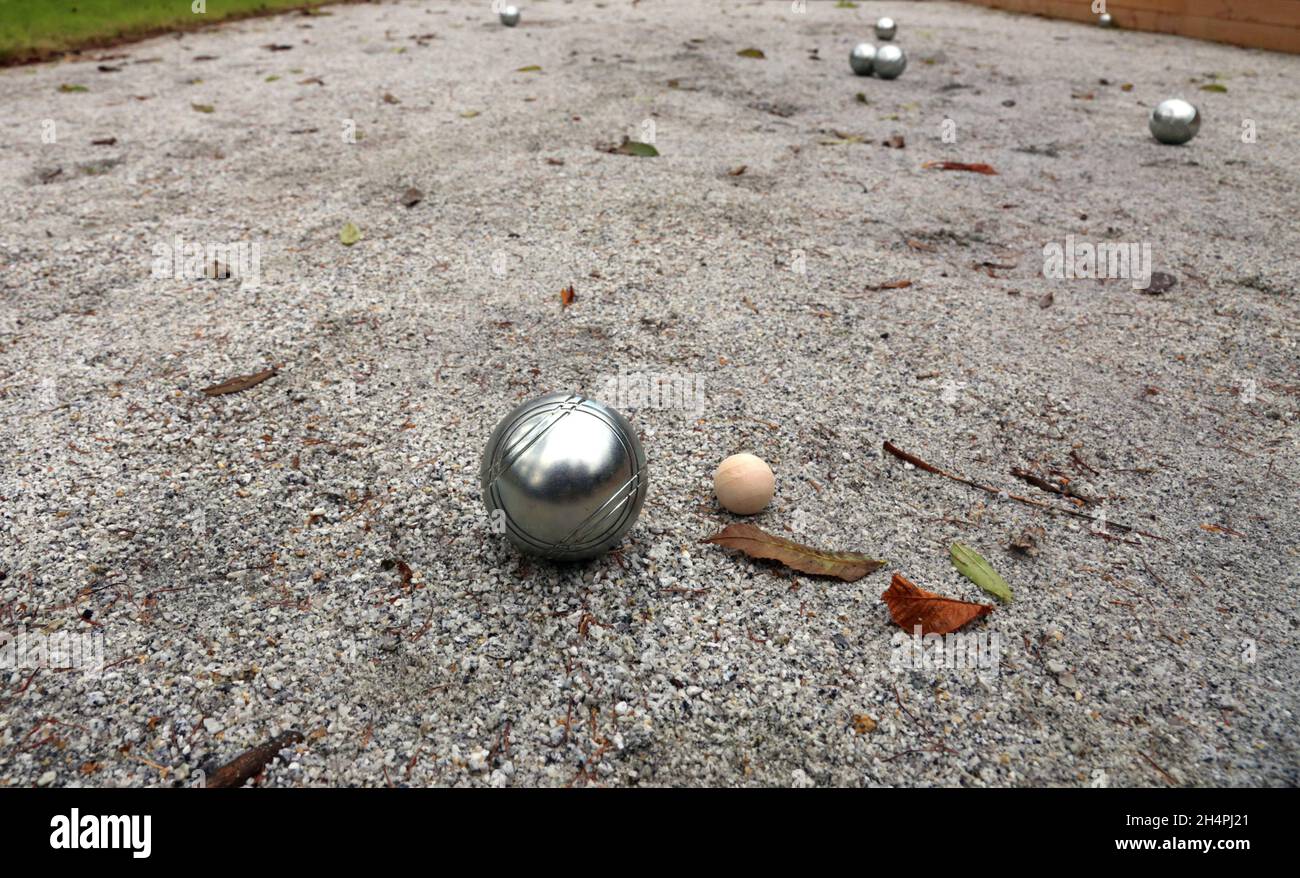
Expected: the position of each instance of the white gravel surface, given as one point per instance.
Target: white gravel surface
(242, 558)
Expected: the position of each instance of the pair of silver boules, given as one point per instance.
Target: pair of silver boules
(887, 62)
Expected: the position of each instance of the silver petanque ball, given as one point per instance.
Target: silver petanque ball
(890, 62)
(565, 475)
(885, 29)
(510, 16)
(1104, 20)
(1174, 121)
(861, 58)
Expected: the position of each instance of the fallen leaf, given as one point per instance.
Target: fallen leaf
(1047, 301)
(861, 98)
(737, 171)
(910, 606)
(901, 284)
(237, 384)
(1220, 529)
(272, 78)
(531, 68)
(1215, 87)
(972, 565)
(349, 234)
(69, 89)
(104, 141)
(311, 80)
(468, 114)
(895, 141)
(250, 763)
(863, 724)
(977, 167)
(202, 108)
(1128, 86)
(390, 98)
(277, 47)
(751, 53)
(633, 147)
(756, 543)
(411, 197)
(567, 296)
(108, 68)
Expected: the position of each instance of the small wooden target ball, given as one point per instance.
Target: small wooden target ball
(744, 484)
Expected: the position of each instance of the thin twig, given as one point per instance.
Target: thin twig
(1053, 510)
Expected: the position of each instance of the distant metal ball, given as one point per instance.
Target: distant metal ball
(861, 58)
(1104, 20)
(1174, 121)
(885, 29)
(510, 16)
(890, 62)
(567, 474)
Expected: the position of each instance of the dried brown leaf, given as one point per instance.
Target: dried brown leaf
(757, 543)
(250, 763)
(567, 296)
(976, 167)
(910, 606)
(238, 383)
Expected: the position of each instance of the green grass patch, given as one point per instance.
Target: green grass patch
(31, 30)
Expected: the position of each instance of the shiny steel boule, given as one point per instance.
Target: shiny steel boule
(1174, 121)
(885, 29)
(861, 58)
(510, 16)
(1104, 20)
(890, 62)
(565, 475)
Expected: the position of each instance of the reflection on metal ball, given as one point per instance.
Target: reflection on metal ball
(510, 16)
(861, 58)
(890, 62)
(1104, 20)
(885, 29)
(1174, 121)
(565, 476)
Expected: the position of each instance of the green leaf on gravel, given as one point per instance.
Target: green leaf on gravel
(970, 565)
(531, 68)
(349, 234)
(751, 53)
(202, 108)
(469, 114)
(846, 4)
(1215, 87)
(272, 78)
(66, 88)
(634, 147)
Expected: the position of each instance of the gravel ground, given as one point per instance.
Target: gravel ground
(311, 553)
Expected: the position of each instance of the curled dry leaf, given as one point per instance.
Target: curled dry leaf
(241, 382)
(976, 167)
(250, 763)
(757, 543)
(910, 606)
(567, 296)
